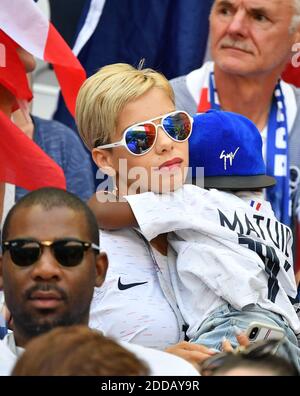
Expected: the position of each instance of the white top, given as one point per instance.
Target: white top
(159, 363)
(9, 353)
(131, 305)
(226, 251)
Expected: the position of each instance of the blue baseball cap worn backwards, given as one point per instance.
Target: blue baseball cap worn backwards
(229, 147)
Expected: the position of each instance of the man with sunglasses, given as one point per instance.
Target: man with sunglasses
(50, 265)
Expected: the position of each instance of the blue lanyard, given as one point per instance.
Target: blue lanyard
(278, 159)
(277, 152)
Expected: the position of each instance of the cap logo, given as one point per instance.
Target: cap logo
(229, 156)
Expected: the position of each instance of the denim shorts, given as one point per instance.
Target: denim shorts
(221, 324)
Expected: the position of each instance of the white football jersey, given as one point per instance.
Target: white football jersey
(131, 305)
(226, 249)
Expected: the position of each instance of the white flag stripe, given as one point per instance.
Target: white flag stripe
(25, 23)
(89, 26)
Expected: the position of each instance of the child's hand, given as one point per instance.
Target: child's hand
(242, 339)
(193, 353)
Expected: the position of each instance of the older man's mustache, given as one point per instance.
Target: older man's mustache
(240, 45)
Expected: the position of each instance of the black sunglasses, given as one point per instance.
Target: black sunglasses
(68, 252)
(257, 350)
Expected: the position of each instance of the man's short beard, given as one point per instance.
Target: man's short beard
(31, 328)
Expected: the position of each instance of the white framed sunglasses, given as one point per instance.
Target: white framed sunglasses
(140, 138)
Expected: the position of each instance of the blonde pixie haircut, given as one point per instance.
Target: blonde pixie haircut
(103, 96)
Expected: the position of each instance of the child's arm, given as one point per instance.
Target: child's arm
(112, 215)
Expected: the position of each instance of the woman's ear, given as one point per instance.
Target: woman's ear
(102, 159)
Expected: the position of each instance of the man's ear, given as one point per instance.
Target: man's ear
(102, 159)
(101, 268)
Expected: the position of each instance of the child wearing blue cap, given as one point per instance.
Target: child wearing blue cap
(229, 260)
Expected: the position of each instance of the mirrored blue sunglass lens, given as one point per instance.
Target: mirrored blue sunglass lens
(178, 126)
(140, 138)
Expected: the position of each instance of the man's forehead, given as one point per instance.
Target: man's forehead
(43, 223)
(256, 4)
